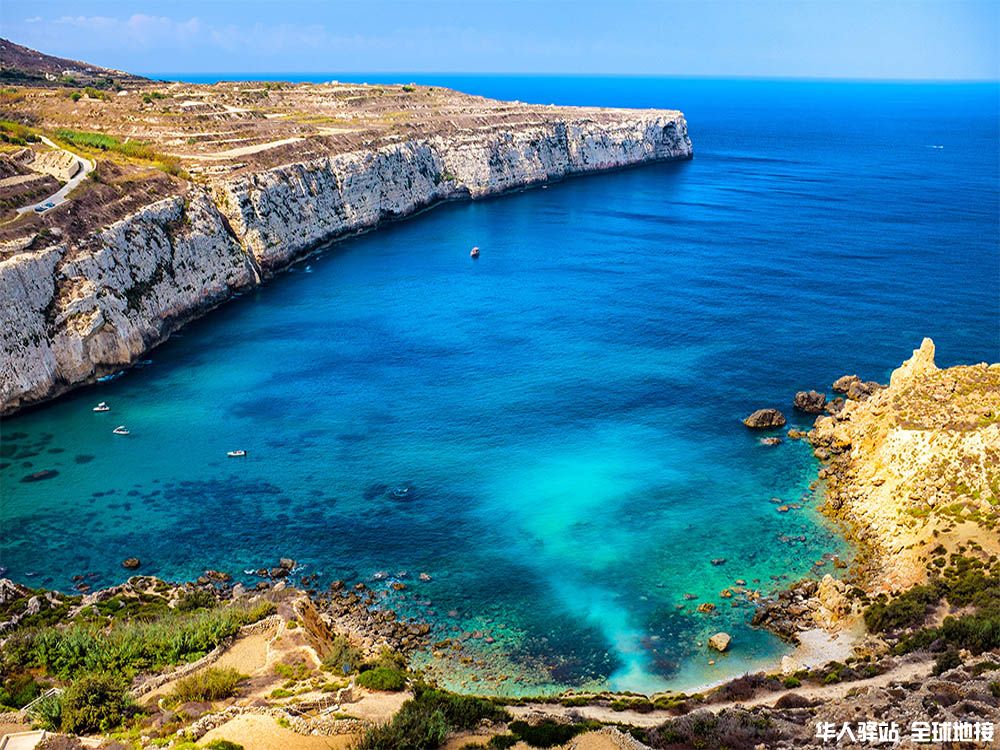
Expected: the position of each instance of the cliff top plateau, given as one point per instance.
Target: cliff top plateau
(153, 139)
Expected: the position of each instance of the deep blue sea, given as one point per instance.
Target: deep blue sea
(552, 433)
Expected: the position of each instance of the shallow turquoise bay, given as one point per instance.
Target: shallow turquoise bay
(552, 432)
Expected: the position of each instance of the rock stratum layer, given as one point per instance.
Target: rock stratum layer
(77, 308)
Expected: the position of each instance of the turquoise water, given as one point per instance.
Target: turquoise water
(551, 433)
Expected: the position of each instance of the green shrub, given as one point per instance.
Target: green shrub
(19, 690)
(501, 742)
(390, 659)
(195, 599)
(909, 609)
(342, 657)
(223, 745)
(382, 678)
(547, 733)
(995, 688)
(792, 682)
(16, 133)
(96, 703)
(210, 685)
(130, 148)
(417, 728)
(983, 667)
(293, 672)
(281, 693)
(96, 93)
(76, 96)
(946, 660)
(130, 647)
(733, 729)
(47, 713)
(424, 722)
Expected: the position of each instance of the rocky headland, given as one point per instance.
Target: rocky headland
(915, 466)
(203, 192)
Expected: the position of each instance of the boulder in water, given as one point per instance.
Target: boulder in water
(764, 419)
(811, 402)
(719, 641)
(844, 382)
(131, 563)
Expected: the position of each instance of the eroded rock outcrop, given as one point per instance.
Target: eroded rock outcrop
(82, 307)
(915, 465)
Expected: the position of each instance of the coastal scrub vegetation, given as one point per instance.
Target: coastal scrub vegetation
(96, 703)
(424, 721)
(212, 684)
(126, 648)
(96, 656)
(966, 582)
(16, 134)
(733, 729)
(382, 678)
(128, 148)
(342, 656)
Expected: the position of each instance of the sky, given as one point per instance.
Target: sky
(866, 39)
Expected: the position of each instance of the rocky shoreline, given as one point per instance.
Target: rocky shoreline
(896, 460)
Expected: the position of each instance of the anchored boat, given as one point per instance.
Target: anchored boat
(474, 253)
(236, 454)
(121, 430)
(102, 407)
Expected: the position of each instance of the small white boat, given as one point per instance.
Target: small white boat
(236, 454)
(474, 253)
(121, 430)
(102, 407)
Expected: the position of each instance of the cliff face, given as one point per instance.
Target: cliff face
(79, 309)
(916, 465)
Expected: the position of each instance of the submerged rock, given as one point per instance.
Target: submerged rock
(38, 476)
(764, 419)
(131, 563)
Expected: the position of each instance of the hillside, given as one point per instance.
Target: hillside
(27, 67)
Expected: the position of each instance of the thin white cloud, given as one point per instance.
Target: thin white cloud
(138, 30)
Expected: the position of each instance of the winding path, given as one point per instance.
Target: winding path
(59, 197)
(904, 672)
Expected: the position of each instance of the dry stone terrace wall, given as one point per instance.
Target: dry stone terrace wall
(80, 308)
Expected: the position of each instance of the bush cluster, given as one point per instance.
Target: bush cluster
(342, 657)
(424, 722)
(382, 678)
(129, 647)
(970, 583)
(734, 729)
(95, 703)
(131, 149)
(212, 684)
(18, 691)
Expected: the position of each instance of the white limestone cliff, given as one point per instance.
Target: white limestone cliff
(76, 310)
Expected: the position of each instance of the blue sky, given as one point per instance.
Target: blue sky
(909, 39)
